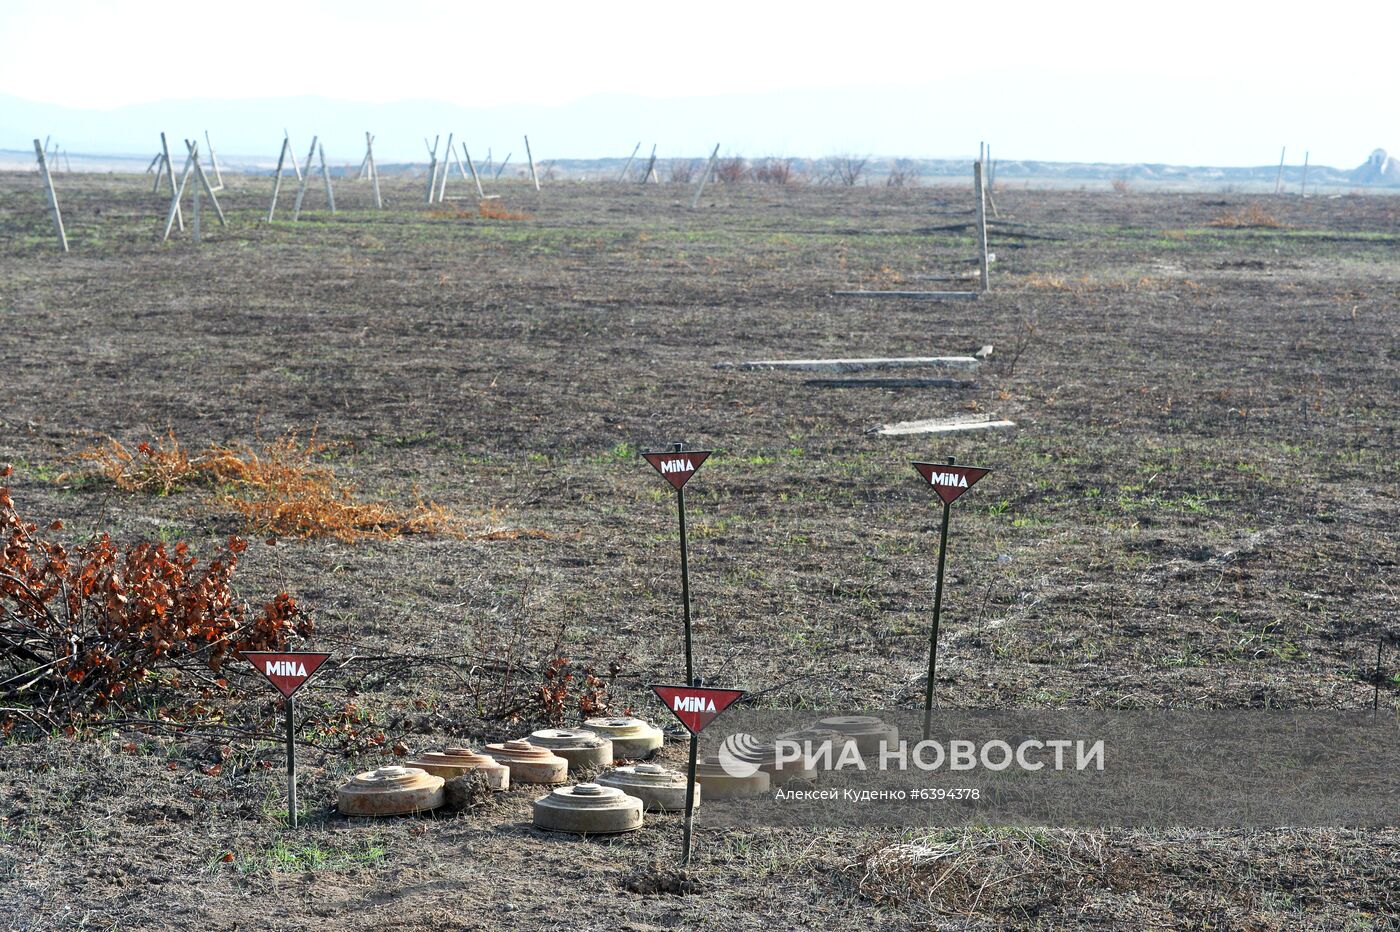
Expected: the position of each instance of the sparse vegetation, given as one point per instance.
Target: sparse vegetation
(1250, 216)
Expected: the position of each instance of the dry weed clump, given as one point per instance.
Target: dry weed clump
(971, 873)
(495, 210)
(82, 628)
(1250, 216)
(281, 490)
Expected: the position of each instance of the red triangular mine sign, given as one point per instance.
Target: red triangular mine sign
(696, 706)
(286, 671)
(677, 468)
(950, 481)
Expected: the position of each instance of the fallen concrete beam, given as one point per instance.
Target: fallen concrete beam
(917, 295)
(858, 364)
(891, 383)
(940, 426)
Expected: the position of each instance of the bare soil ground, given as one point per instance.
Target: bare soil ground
(1197, 508)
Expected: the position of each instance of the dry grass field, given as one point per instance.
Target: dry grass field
(1197, 508)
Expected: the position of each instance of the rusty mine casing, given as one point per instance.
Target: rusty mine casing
(720, 784)
(455, 762)
(582, 749)
(587, 808)
(659, 789)
(632, 738)
(389, 791)
(530, 764)
(867, 731)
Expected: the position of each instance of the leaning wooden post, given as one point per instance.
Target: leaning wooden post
(476, 178)
(1303, 188)
(326, 177)
(293, 149)
(533, 177)
(989, 182)
(194, 225)
(635, 149)
(373, 171)
(364, 162)
(449, 153)
(432, 168)
(709, 167)
(53, 198)
(175, 201)
(204, 181)
(981, 226)
(170, 173)
(277, 182)
(305, 177)
(214, 161)
(1278, 179)
(650, 173)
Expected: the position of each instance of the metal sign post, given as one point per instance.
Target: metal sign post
(950, 482)
(288, 672)
(695, 707)
(676, 467)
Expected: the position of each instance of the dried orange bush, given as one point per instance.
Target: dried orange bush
(1251, 215)
(495, 210)
(281, 490)
(82, 629)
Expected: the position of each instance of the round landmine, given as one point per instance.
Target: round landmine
(390, 791)
(632, 738)
(867, 731)
(529, 764)
(765, 758)
(813, 742)
(457, 762)
(659, 789)
(719, 783)
(587, 808)
(582, 749)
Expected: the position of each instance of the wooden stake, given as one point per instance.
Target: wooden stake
(1303, 189)
(305, 177)
(326, 177)
(531, 158)
(1278, 179)
(432, 168)
(981, 205)
(194, 226)
(161, 169)
(991, 174)
(709, 167)
(364, 162)
(503, 165)
(651, 167)
(292, 149)
(475, 177)
(151, 167)
(175, 201)
(635, 149)
(204, 182)
(170, 173)
(373, 170)
(53, 198)
(277, 182)
(449, 152)
(214, 161)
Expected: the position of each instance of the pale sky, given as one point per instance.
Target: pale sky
(1260, 74)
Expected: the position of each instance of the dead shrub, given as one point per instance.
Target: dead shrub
(732, 170)
(1121, 186)
(1250, 216)
(82, 630)
(848, 169)
(903, 174)
(682, 171)
(972, 873)
(280, 490)
(774, 171)
(492, 209)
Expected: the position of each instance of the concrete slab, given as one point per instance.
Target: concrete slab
(860, 364)
(941, 426)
